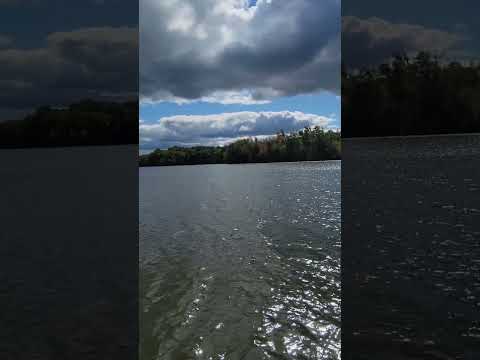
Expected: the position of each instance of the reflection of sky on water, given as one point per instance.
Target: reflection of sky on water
(251, 270)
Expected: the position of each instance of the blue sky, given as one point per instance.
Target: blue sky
(57, 52)
(20, 19)
(323, 103)
(212, 72)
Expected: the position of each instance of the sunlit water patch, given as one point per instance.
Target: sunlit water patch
(240, 262)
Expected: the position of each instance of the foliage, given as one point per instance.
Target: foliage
(411, 96)
(83, 123)
(307, 144)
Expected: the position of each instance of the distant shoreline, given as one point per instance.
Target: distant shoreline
(66, 146)
(309, 144)
(409, 136)
(249, 163)
(86, 123)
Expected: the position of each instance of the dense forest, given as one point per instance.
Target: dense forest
(411, 96)
(307, 144)
(84, 123)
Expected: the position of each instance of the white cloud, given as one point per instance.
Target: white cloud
(220, 51)
(89, 62)
(244, 97)
(373, 40)
(218, 129)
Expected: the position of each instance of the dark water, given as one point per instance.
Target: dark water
(240, 261)
(411, 248)
(68, 264)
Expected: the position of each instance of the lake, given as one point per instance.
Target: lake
(411, 248)
(68, 259)
(240, 261)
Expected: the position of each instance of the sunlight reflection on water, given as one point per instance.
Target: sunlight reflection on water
(251, 269)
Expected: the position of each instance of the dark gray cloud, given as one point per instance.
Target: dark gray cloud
(93, 62)
(371, 41)
(218, 129)
(192, 50)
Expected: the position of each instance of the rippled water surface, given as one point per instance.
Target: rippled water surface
(412, 210)
(240, 261)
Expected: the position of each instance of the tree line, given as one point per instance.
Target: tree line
(305, 145)
(83, 123)
(411, 96)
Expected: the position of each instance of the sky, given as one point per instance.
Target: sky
(209, 71)
(374, 29)
(61, 51)
(215, 71)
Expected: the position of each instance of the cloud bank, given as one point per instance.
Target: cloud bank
(231, 52)
(89, 62)
(367, 42)
(219, 129)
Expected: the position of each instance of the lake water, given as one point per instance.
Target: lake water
(68, 255)
(240, 261)
(411, 248)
